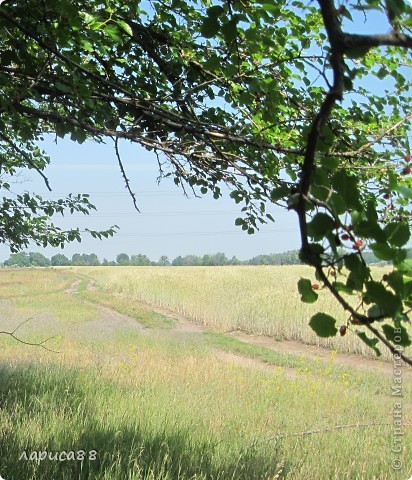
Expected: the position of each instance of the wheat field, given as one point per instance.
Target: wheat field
(263, 300)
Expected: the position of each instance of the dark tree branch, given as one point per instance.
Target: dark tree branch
(13, 335)
(126, 180)
(392, 39)
(335, 94)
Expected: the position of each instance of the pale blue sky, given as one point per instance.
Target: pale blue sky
(169, 223)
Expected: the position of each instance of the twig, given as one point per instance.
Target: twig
(126, 180)
(41, 344)
(379, 137)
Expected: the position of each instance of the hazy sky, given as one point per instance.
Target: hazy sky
(169, 223)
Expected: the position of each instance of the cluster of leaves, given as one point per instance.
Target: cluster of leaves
(26, 218)
(278, 100)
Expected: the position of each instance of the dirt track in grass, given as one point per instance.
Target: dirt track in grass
(110, 321)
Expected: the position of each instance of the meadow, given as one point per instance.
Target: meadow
(125, 393)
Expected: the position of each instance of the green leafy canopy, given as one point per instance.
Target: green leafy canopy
(280, 101)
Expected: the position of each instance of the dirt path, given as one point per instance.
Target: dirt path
(314, 353)
(358, 362)
(112, 321)
(73, 288)
(107, 325)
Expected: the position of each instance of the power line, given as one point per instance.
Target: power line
(191, 234)
(157, 214)
(143, 193)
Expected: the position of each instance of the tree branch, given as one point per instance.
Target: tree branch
(126, 180)
(12, 334)
(392, 39)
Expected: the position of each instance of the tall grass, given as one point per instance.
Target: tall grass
(175, 411)
(260, 300)
(156, 405)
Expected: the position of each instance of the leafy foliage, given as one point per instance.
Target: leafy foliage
(279, 100)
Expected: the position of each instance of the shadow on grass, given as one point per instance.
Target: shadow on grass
(37, 415)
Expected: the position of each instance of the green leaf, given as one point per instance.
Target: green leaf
(279, 192)
(397, 7)
(229, 30)
(341, 287)
(346, 185)
(215, 11)
(370, 342)
(210, 27)
(78, 135)
(62, 129)
(359, 273)
(348, 84)
(320, 226)
(113, 31)
(406, 267)
(405, 191)
(308, 295)
(331, 163)
(383, 251)
(125, 26)
(398, 336)
(395, 281)
(398, 233)
(271, 8)
(63, 87)
(323, 325)
(389, 303)
(375, 312)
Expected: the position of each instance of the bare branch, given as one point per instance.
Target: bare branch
(41, 344)
(392, 39)
(126, 180)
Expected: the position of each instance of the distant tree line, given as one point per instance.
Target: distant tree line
(36, 259)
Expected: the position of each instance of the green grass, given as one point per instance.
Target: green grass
(174, 411)
(147, 318)
(327, 370)
(158, 405)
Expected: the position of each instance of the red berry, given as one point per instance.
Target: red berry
(315, 286)
(408, 157)
(342, 330)
(345, 236)
(387, 196)
(359, 243)
(406, 170)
